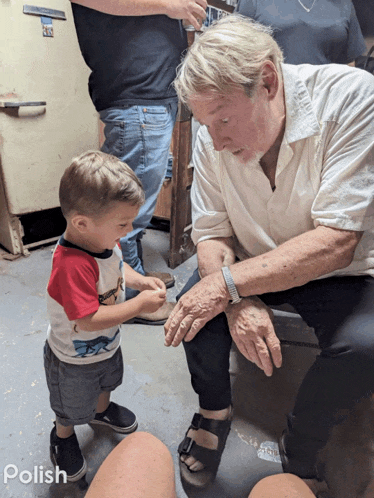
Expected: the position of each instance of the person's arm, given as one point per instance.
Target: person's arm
(292, 264)
(250, 321)
(151, 298)
(137, 281)
(191, 10)
(297, 261)
(214, 253)
(112, 315)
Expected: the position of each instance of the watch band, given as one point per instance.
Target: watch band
(233, 291)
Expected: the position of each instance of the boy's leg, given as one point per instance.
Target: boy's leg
(103, 402)
(140, 466)
(66, 454)
(107, 413)
(63, 431)
(74, 394)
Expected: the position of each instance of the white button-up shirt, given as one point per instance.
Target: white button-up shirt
(324, 174)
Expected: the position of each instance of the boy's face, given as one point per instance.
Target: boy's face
(106, 231)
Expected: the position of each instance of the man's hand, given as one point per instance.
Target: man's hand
(190, 10)
(204, 301)
(252, 330)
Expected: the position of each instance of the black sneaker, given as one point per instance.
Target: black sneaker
(66, 455)
(119, 418)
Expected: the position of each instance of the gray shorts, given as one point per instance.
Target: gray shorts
(75, 389)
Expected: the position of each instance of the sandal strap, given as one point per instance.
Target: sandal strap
(209, 458)
(217, 427)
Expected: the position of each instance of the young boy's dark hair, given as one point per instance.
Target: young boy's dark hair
(94, 181)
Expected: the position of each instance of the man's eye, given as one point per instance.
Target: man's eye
(225, 120)
(123, 226)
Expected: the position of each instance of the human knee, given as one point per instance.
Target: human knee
(281, 486)
(140, 441)
(358, 344)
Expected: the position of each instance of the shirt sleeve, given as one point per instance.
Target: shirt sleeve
(356, 44)
(209, 215)
(246, 8)
(73, 283)
(346, 195)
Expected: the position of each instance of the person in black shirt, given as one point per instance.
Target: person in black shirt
(133, 49)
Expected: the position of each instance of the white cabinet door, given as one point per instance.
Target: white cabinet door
(38, 143)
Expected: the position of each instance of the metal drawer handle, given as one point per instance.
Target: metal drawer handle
(21, 104)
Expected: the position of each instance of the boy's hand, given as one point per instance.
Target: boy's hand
(151, 283)
(151, 300)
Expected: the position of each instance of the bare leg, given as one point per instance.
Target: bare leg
(103, 402)
(281, 486)
(140, 466)
(64, 431)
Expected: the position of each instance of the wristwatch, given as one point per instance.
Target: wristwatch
(233, 291)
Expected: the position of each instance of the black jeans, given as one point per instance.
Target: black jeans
(341, 311)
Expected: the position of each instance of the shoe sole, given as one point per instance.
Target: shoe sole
(75, 477)
(168, 284)
(143, 321)
(121, 430)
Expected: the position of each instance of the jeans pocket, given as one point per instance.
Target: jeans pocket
(156, 117)
(114, 138)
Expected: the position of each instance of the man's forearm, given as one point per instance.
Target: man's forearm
(126, 7)
(212, 254)
(296, 262)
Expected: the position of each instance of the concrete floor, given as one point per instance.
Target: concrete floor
(156, 387)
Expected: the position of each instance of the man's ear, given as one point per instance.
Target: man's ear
(80, 222)
(270, 79)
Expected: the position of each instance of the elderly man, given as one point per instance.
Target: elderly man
(282, 213)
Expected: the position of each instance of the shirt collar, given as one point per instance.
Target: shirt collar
(301, 121)
(102, 255)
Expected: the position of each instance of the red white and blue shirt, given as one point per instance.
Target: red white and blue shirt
(80, 282)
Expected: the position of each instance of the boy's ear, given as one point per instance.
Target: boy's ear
(80, 223)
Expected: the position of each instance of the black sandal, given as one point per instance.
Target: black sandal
(209, 458)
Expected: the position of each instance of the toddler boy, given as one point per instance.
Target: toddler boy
(99, 196)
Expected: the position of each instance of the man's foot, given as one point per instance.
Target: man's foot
(158, 317)
(118, 418)
(167, 278)
(202, 448)
(66, 454)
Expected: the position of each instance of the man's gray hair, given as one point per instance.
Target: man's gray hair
(231, 52)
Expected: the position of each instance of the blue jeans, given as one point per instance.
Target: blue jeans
(140, 136)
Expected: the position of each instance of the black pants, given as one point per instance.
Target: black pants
(341, 311)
